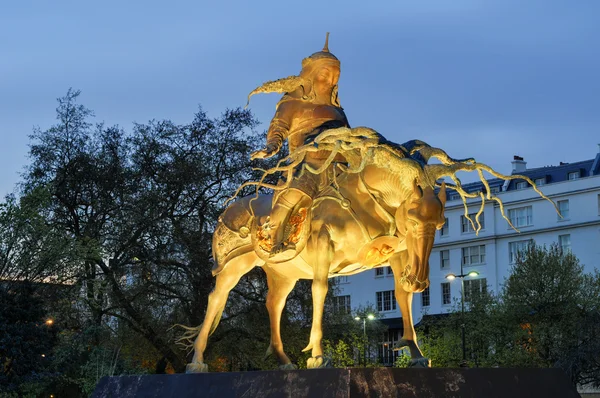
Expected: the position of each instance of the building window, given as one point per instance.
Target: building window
(379, 271)
(386, 301)
(425, 298)
(563, 207)
(445, 227)
(565, 243)
(388, 271)
(453, 196)
(599, 205)
(473, 255)
(574, 175)
(540, 181)
(521, 216)
(474, 286)
(495, 189)
(444, 259)
(342, 279)
(514, 248)
(465, 224)
(446, 297)
(341, 304)
(521, 185)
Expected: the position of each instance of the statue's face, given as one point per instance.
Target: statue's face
(324, 78)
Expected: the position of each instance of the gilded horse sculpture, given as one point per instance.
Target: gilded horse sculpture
(344, 189)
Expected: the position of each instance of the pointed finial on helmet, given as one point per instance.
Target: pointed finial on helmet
(326, 46)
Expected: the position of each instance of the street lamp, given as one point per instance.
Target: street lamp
(364, 321)
(462, 277)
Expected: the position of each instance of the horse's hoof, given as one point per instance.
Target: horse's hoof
(288, 366)
(419, 363)
(196, 367)
(318, 362)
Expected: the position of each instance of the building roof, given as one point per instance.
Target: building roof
(550, 174)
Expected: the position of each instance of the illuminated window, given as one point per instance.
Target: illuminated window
(521, 216)
(445, 259)
(425, 298)
(446, 296)
(563, 207)
(473, 255)
(465, 224)
(386, 301)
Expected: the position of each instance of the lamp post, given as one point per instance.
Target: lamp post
(462, 277)
(364, 321)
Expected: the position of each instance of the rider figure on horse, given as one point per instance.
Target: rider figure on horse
(309, 106)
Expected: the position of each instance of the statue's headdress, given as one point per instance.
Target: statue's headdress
(291, 83)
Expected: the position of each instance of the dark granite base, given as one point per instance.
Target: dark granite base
(355, 382)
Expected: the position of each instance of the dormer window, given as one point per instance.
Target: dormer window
(521, 185)
(574, 175)
(540, 181)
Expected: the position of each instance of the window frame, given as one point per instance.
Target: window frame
(446, 228)
(442, 259)
(528, 216)
(566, 216)
(561, 244)
(383, 297)
(426, 297)
(519, 245)
(469, 286)
(464, 222)
(482, 257)
(447, 294)
(520, 185)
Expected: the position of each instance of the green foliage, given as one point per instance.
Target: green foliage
(546, 316)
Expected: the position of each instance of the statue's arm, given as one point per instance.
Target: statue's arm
(277, 133)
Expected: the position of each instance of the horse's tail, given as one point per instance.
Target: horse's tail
(187, 339)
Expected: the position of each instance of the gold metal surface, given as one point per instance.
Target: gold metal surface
(350, 201)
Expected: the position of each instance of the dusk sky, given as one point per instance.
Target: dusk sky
(487, 79)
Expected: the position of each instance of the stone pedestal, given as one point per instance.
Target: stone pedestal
(353, 382)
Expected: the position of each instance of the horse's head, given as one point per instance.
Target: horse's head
(418, 220)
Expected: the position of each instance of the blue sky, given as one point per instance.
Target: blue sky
(488, 79)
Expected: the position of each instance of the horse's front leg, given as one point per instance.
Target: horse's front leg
(279, 288)
(323, 255)
(404, 299)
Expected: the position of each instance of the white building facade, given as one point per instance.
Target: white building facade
(575, 187)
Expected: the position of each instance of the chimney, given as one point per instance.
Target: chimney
(518, 164)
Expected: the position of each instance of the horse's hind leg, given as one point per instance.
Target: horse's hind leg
(217, 299)
(279, 288)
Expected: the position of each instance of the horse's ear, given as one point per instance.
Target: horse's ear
(416, 190)
(442, 193)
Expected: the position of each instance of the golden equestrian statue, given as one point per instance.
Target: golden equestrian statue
(350, 201)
